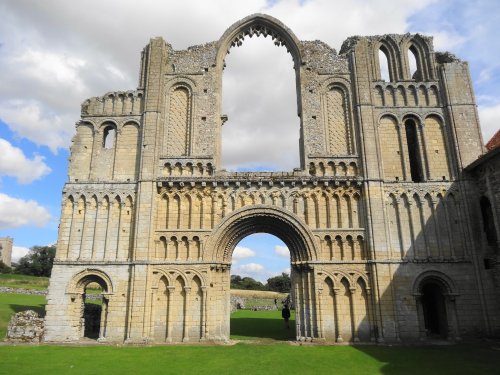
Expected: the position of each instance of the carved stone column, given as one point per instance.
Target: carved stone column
(420, 316)
(336, 312)
(187, 309)
(204, 314)
(353, 316)
(170, 292)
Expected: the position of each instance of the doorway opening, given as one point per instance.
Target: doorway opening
(260, 289)
(434, 310)
(92, 310)
(259, 96)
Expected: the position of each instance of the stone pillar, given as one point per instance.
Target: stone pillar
(420, 316)
(353, 315)
(204, 313)
(369, 313)
(170, 292)
(104, 317)
(336, 312)
(319, 314)
(187, 310)
(152, 311)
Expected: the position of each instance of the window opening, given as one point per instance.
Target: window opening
(413, 63)
(413, 151)
(488, 221)
(109, 137)
(259, 97)
(384, 65)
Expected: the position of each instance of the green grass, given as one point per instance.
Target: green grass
(248, 325)
(23, 281)
(13, 303)
(247, 358)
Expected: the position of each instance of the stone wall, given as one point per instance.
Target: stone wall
(6, 250)
(378, 217)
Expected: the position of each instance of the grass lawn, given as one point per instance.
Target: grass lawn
(246, 325)
(23, 281)
(248, 359)
(274, 357)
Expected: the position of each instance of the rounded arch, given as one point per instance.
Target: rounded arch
(265, 219)
(436, 277)
(437, 116)
(258, 24)
(91, 124)
(87, 276)
(411, 115)
(107, 122)
(131, 121)
(390, 115)
(180, 81)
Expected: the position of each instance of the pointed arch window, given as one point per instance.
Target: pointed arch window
(383, 59)
(488, 221)
(415, 71)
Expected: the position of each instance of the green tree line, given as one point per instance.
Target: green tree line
(281, 283)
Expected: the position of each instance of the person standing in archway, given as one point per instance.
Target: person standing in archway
(285, 314)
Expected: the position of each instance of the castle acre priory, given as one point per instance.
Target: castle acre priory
(391, 220)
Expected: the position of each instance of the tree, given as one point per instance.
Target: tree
(237, 282)
(38, 262)
(4, 268)
(281, 283)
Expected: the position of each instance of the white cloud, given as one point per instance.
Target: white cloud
(29, 120)
(446, 41)
(252, 267)
(282, 251)
(51, 68)
(14, 163)
(490, 120)
(53, 61)
(18, 212)
(241, 252)
(18, 252)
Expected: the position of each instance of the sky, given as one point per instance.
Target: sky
(55, 53)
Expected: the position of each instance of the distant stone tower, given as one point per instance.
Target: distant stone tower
(383, 228)
(6, 250)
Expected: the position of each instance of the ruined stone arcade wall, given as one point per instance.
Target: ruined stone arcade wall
(378, 208)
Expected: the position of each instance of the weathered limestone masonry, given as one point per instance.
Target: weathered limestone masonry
(383, 229)
(6, 250)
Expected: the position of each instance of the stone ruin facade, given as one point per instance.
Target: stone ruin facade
(383, 226)
(6, 250)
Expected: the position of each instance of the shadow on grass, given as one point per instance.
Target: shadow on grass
(251, 325)
(40, 309)
(480, 358)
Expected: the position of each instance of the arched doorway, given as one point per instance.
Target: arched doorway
(434, 310)
(435, 299)
(90, 292)
(301, 244)
(260, 288)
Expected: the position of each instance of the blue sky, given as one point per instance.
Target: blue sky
(54, 54)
